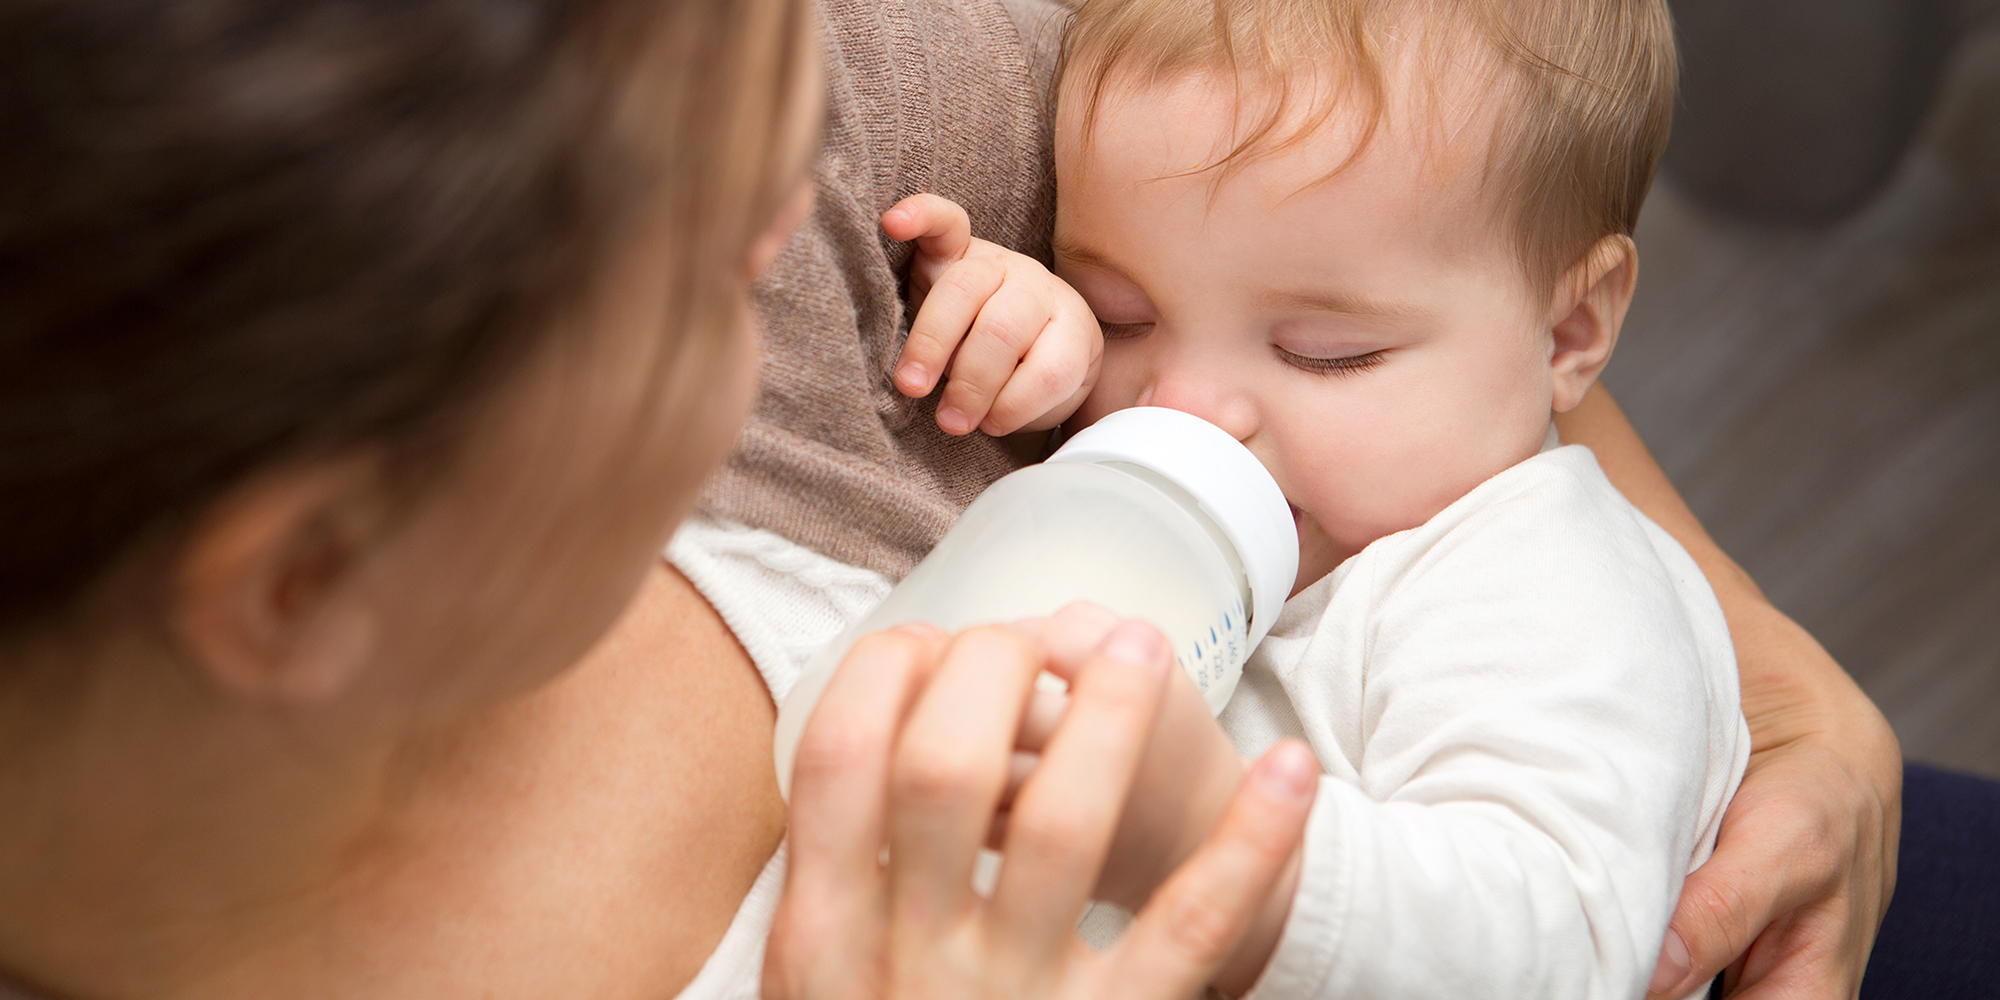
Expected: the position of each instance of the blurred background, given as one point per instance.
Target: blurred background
(1814, 354)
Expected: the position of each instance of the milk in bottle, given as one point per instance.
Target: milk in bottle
(1150, 513)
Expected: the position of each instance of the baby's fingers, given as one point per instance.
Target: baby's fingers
(943, 321)
(1052, 379)
(941, 228)
(943, 235)
(1007, 326)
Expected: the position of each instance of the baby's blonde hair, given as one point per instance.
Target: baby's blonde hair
(1587, 90)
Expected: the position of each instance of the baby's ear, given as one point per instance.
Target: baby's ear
(1584, 318)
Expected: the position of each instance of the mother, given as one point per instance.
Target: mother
(359, 358)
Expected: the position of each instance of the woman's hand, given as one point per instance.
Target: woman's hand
(910, 748)
(1183, 787)
(1802, 873)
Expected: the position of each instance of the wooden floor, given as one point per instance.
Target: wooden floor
(1829, 403)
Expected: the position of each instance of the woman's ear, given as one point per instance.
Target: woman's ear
(1589, 309)
(261, 594)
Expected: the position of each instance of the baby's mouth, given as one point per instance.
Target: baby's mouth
(1297, 515)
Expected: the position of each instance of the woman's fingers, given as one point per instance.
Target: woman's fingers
(840, 772)
(1724, 905)
(1065, 815)
(951, 765)
(834, 898)
(1785, 886)
(1806, 860)
(1802, 954)
(1072, 636)
(1045, 712)
(1069, 638)
(914, 740)
(1195, 921)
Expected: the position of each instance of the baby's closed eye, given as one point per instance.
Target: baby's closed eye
(1123, 331)
(1345, 364)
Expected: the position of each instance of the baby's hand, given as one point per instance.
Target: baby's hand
(1027, 347)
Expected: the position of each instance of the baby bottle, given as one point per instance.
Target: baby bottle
(1151, 513)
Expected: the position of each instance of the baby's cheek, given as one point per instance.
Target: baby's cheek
(1380, 502)
(1111, 394)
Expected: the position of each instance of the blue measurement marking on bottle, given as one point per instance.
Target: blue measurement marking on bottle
(1224, 650)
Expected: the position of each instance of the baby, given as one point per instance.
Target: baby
(1382, 243)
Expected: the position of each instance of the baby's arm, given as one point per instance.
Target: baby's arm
(1543, 732)
(1524, 746)
(1022, 347)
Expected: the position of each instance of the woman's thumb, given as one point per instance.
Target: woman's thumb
(1724, 905)
(1673, 967)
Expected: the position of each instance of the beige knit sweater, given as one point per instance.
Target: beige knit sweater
(949, 96)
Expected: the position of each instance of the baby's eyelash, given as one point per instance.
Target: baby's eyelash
(1333, 366)
(1123, 331)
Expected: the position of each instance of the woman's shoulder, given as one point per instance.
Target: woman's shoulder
(782, 599)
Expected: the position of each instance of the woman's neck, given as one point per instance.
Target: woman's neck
(592, 838)
(158, 832)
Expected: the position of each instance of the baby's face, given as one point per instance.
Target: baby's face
(1370, 337)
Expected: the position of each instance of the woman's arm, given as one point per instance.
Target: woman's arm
(1807, 856)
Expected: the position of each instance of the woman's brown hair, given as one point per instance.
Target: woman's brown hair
(234, 232)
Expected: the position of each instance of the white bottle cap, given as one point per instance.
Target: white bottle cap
(1232, 487)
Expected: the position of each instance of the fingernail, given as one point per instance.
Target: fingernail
(1133, 642)
(952, 420)
(1288, 772)
(911, 376)
(1674, 964)
(922, 630)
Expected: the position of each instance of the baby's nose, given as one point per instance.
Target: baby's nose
(1206, 395)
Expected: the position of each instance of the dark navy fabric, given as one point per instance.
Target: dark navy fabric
(1941, 937)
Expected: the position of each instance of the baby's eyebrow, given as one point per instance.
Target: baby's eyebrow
(1346, 304)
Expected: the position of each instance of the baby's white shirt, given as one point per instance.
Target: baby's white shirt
(1527, 712)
